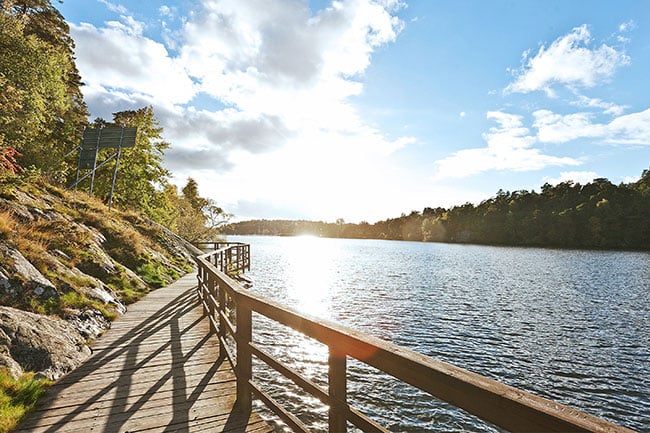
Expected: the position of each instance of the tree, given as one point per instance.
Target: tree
(215, 215)
(41, 107)
(191, 194)
(141, 179)
(198, 218)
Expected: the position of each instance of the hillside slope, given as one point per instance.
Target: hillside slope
(68, 266)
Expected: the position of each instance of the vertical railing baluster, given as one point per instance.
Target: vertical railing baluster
(337, 378)
(222, 323)
(244, 357)
(198, 277)
(211, 289)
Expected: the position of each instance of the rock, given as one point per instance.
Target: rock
(94, 288)
(7, 363)
(98, 263)
(20, 212)
(26, 272)
(106, 295)
(90, 323)
(62, 255)
(46, 345)
(4, 281)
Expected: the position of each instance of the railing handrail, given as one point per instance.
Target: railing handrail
(503, 405)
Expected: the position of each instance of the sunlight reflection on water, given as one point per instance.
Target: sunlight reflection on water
(309, 271)
(566, 325)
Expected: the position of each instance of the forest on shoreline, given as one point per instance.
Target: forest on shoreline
(598, 215)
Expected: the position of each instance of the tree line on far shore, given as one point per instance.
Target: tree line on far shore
(598, 215)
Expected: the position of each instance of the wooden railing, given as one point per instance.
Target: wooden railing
(494, 402)
(228, 257)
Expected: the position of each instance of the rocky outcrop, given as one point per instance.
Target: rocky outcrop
(22, 270)
(48, 346)
(67, 267)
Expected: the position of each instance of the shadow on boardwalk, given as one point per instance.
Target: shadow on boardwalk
(155, 370)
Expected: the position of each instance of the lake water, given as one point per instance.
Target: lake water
(567, 325)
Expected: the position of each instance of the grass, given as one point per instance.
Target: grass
(75, 300)
(129, 239)
(18, 397)
(154, 273)
(7, 224)
(58, 306)
(128, 290)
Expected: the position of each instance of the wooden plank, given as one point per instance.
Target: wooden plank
(157, 369)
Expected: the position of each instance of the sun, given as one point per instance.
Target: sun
(311, 268)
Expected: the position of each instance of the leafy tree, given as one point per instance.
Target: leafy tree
(142, 180)
(41, 105)
(191, 194)
(198, 218)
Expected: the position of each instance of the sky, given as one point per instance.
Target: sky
(367, 109)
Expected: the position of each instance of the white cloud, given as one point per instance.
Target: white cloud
(630, 179)
(609, 107)
(118, 58)
(509, 147)
(282, 79)
(582, 177)
(556, 128)
(569, 61)
(627, 26)
(633, 128)
(165, 10)
(276, 59)
(630, 129)
(113, 7)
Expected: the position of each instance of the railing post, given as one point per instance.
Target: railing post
(222, 324)
(337, 378)
(244, 357)
(210, 288)
(203, 287)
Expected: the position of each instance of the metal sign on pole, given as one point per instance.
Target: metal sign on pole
(94, 139)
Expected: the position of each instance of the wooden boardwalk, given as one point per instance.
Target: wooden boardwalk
(155, 370)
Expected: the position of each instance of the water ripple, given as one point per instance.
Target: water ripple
(565, 325)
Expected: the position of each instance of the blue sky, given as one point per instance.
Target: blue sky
(366, 109)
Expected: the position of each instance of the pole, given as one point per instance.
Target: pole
(117, 162)
(92, 178)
